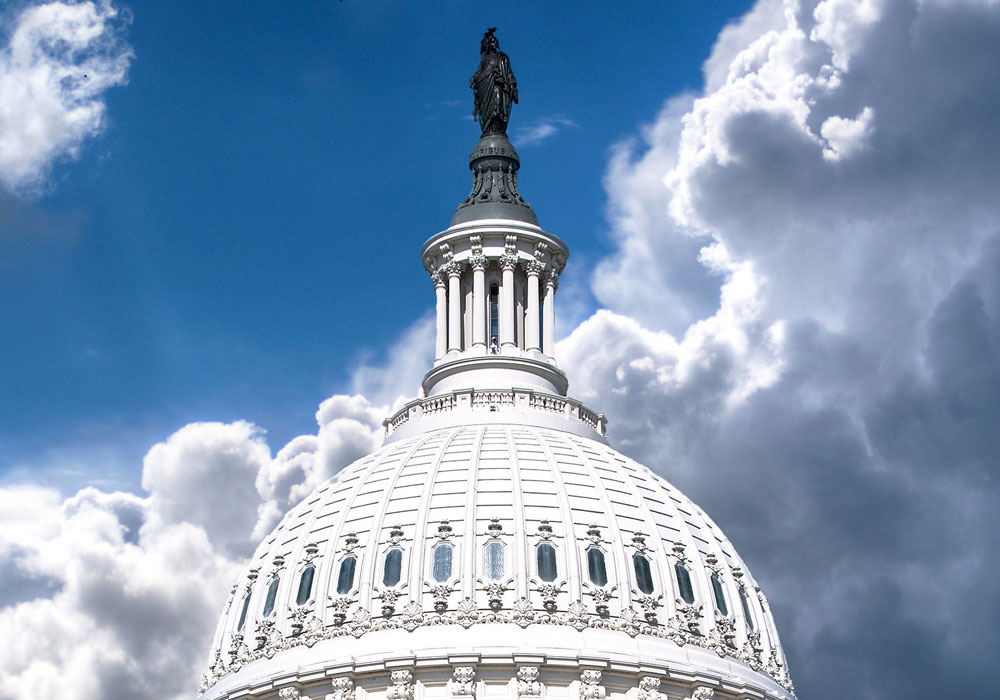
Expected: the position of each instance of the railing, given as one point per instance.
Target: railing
(495, 401)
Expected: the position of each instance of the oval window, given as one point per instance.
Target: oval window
(305, 585)
(720, 595)
(272, 593)
(345, 578)
(243, 612)
(596, 567)
(441, 567)
(393, 567)
(643, 574)
(546, 558)
(684, 583)
(746, 609)
(493, 560)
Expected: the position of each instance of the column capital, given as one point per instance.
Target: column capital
(478, 261)
(532, 267)
(439, 278)
(508, 261)
(452, 268)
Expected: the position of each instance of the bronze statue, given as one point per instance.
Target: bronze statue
(494, 86)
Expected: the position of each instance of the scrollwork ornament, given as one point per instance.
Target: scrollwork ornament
(702, 692)
(527, 682)
(467, 614)
(343, 689)
(413, 616)
(649, 688)
(590, 685)
(523, 614)
(462, 683)
(579, 616)
(362, 622)
(400, 686)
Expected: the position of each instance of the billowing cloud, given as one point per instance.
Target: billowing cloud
(60, 59)
(812, 357)
(115, 595)
(835, 408)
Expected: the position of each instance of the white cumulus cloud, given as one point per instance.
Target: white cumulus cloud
(59, 60)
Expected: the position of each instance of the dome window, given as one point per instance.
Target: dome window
(720, 595)
(546, 560)
(392, 570)
(305, 585)
(684, 583)
(441, 562)
(243, 611)
(643, 573)
(272, 593)
(493, 556)
(345, 577)
(596, 567)
(746, 609)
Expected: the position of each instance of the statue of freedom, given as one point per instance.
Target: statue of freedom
(494, 86)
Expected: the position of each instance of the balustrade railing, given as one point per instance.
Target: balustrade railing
(495, 401)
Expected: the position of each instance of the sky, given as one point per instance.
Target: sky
(782, 292)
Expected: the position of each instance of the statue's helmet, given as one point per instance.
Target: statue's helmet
(489, 44)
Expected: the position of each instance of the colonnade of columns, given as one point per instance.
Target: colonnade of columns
(539, 313)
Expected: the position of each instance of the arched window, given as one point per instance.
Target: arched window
(393, 567)
(345, 578)
(441, 564)
(643, 574)
(746, 609)
(596, 567)
(272, 593)
(494, 315)
(243, 611)
(546, 558)
(493, 560)
(305, 585)
(720, 595)
(684, 583)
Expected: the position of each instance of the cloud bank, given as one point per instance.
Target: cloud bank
(59, 60)
(812, 357)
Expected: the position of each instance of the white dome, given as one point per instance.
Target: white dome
(526, 487)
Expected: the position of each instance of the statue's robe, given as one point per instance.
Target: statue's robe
(496, 91)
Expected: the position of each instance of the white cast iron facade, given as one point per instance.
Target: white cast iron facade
(496, 546)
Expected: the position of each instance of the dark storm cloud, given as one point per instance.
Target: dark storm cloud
(838, 416)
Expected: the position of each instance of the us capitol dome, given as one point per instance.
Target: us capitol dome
(495, 546)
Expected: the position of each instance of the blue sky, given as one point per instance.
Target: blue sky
(247, 226)
(783, 293)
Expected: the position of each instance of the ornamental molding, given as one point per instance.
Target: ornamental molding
(351, 542)
(445, 531)
(510, 245)
(649, 688)
(476, 244)
(527, 682)
(462, 683)
(343, 689)
(311, 551)
(544, 530)
(602, 597)
(395, 536)
(683, 628)
(677, 551)
(590, 685)
(400, 686)
(702, 692)
(594, 536)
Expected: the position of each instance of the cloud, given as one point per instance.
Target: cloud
(541, 130)
(115, 595)
(59, 61)
(834, 408)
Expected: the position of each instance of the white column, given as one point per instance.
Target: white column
(479, 303)
(507, 263)
(549, 315)
(531, 320)
(454, 307)
(441, 309)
